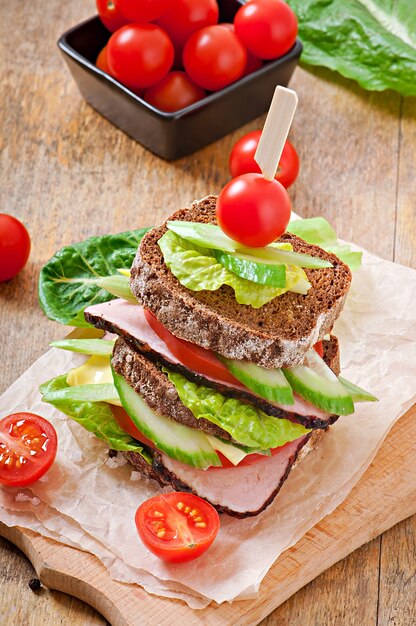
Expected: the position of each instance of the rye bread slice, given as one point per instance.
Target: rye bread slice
(145, 376)
(276, 335)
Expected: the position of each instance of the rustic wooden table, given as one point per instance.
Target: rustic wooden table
(68, 174)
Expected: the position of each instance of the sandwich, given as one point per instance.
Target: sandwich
(223, 364)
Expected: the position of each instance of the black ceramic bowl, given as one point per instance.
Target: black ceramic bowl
(172, 135)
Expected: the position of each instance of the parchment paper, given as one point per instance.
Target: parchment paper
(88, 501)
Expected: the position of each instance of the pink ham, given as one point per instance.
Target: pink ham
(128, 320)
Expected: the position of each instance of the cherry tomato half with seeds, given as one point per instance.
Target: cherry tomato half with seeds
(139, 55)
(28, 446)
(14, 246)
(242, 159)
(185, 17)
(214, 57)
(267, 28)
(177, 527)
(253, 211)
(175, 91)
(110, 14)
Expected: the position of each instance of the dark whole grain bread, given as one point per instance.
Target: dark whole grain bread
(277, 334)
(145, 376)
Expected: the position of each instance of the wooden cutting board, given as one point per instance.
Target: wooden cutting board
(385, 495)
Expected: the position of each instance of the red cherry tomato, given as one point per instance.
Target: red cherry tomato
(253, 211)
(110, 14)
(139, 55)
(28, 446)
(253, 63)
(189, 354)
(319, 347)
(14, 246)
(142, 10)
(242, 159)
(177, 526)
(175, 91)
(185, 17)
(101, 61)
(214, 57)
(125, 422)
(267, 28)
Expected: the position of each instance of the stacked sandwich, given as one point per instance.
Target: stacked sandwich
(226, 397)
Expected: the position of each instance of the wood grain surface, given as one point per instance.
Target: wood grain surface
(68, 174)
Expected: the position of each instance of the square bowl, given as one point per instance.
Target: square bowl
(172, 135)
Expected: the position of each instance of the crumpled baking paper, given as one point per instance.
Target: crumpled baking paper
(88, 500)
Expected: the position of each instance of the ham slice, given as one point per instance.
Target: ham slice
(239, 491)
(128, 320)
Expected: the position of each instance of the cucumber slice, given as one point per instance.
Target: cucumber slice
(267, 383)
(101, 392)
(260, 273)
(176, 440)
(206, 235)
(96, 347)
(358, 394)
(317, 384)
(277, 256)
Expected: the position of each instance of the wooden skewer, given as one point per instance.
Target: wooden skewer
(275, 131)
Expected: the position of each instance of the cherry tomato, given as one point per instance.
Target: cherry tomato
(242, 159)
(319, 347)
(177, 526)
(253, 63)
(14, 246)
(185, 17)
(101, 61)
(189, 354)
(253, 211)
(139, 55)
(142, 10)
(175, 91)
(214, 57)
(110, 14)
(267, 28)
(28, 446)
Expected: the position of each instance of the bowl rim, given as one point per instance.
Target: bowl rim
(66, 48)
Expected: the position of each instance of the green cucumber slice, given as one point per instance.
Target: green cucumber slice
(176, 440)
(274, 255)
(206, 235)
(267, 383)
(260, 273)
(95, 347)
(95, 392)
(317, 384)
(358, 394)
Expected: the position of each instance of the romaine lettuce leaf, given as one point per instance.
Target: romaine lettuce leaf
(370, 41)
(245, 423)
(197, 269)
(96, 417)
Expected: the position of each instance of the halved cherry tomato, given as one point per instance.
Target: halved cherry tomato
(242, 159)
(194, 357)
(252, 210)
(177, 526)
(319, 347)
(28, 446)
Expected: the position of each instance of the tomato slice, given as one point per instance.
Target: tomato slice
(177, 526)
(194, 357)
(319, 347)
(28, 446)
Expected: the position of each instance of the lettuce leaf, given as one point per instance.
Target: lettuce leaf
(75, 277)
(370, 41)
(96, 417)
(197, 269)
(244, 422)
